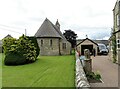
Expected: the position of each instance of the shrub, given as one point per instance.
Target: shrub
(34, 40)
(93, 75)
(7, 42)
(19, 51)
(27, 48)
(14, 59)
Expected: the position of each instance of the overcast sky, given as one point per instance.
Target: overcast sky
(85, 17)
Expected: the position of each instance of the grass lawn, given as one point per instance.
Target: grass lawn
(47, 71)
(0, 70)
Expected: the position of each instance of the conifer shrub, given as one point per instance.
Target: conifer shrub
(7, 42)
(14, 59)
(34, 40)
(19, 51)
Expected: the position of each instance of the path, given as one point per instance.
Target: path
(108, 71)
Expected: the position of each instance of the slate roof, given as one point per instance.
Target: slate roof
(59, 32)
(106, 42)
(89, 40)
(8, 36)
(48, 29)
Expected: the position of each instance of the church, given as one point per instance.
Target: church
(51, 40)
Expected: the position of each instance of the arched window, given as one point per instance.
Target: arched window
(41, 42)
(51, 42)
(64, 45)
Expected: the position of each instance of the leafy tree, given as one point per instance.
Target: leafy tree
(71, 37)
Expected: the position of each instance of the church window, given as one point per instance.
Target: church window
(64, 45)
(41, 42)
(51, 42)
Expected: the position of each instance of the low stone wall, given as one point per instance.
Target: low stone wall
(81, 80)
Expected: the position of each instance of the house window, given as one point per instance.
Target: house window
(117, 19)
(118, 43)
(41, 42)
(50, 42)
(64, 45)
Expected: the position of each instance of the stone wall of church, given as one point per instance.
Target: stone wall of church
(48, 46)
(65, 48)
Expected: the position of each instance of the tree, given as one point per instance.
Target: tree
(71, 37)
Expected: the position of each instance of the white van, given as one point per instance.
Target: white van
(102, 49)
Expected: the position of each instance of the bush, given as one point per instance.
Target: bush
(34, 40)
(93, 75)
(27, 48)
(7, 42)
(19, 51)
(14, 59)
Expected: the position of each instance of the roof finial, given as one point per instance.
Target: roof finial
(46, 18)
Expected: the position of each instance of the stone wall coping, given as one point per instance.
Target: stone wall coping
(81, 80)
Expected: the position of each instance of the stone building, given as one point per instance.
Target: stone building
(50, 39)
(106, 42)
(116, 31)
(87, 44)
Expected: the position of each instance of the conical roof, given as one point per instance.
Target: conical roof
(47, 30)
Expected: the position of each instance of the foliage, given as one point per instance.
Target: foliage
(47, 71)
(22, 46)
(73, 52)
(14, 59)
(71, 37)
(8, 44)
(114, 48)
(34, 40)
(27, 48)
(93, 75)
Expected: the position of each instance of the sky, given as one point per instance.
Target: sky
(93, 18)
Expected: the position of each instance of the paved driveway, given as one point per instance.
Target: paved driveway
(108, 71)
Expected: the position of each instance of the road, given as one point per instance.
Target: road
(108, 71)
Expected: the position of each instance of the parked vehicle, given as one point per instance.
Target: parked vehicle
(102, 49)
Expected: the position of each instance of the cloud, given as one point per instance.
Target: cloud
(100, 35)
(82, 16)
